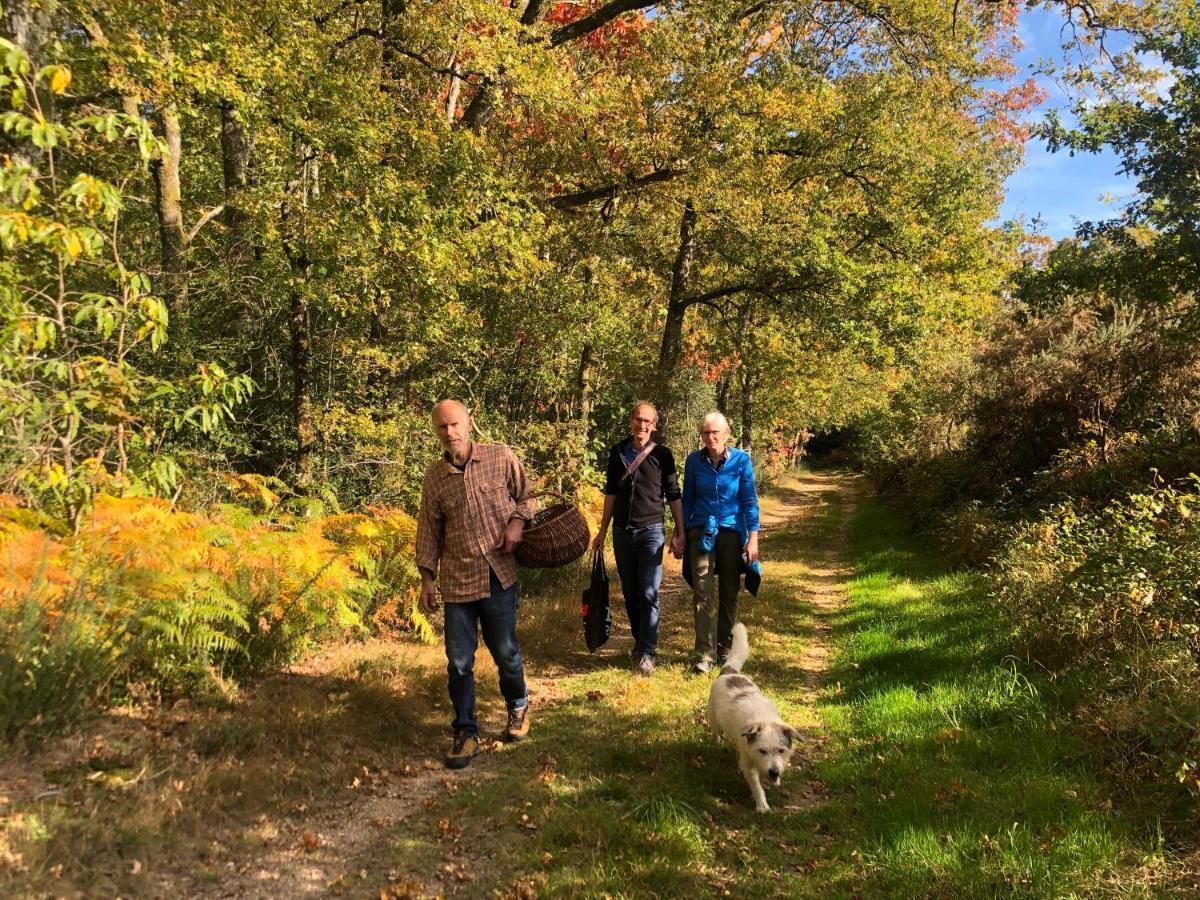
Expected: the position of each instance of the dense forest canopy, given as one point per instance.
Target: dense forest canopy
(264, 237)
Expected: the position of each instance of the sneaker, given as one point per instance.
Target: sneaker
(518, 724)
(645, 666)
(462, 751)
(702, 667)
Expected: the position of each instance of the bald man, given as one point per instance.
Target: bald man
(474, 505)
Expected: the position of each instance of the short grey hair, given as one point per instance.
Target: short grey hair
(717, 417)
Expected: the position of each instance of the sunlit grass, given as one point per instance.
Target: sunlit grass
(942, 774)
(963, 785)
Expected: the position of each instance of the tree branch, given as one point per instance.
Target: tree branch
(204, 220)
(356, 34)
(597, 19)
(605, 192)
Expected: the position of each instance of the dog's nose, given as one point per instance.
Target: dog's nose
(773, 774)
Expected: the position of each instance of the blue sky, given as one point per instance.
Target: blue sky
(1058, 188)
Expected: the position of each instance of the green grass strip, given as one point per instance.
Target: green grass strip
(962, 784)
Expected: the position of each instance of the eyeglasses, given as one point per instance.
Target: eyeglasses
(707, 433)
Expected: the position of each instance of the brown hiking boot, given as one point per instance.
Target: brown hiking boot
(462, 751)
(518, 724)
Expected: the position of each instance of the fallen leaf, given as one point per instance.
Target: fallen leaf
(1057, 833)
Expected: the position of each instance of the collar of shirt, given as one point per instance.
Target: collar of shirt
(451, 468)
(724, 458)
(628, 453)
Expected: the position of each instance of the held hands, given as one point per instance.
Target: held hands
(677, 543)
(514, 533)
(752, 548)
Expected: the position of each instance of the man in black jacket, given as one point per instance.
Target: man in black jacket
(641, 475)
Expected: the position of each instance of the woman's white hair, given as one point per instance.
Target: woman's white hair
(718, 418)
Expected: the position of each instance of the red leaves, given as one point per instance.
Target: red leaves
(619, 38)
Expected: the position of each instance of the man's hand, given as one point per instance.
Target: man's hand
(428, 601)
(598, 543)
(752, 548)
(514, 533)
(677, 543)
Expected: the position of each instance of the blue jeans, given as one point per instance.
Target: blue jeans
(496, 616)
(639, 553)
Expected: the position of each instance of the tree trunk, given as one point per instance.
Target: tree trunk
(747, 410)
(389, 12)
(169, 203)
(483, 105)
(723, 395)
(236, 149)
(452, 98)
(306, 183)
(672, 339)
(27, 24)
(584, 390)
(302, 422)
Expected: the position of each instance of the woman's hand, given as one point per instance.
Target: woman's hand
(677, 543)
(598, 543)
(752, 548)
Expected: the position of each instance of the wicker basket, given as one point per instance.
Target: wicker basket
(557, 535)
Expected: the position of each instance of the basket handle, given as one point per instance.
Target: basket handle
(536, 494)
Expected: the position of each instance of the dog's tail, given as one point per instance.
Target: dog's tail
(738, 651)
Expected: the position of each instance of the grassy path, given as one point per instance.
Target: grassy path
(931, 765)
(932, 768)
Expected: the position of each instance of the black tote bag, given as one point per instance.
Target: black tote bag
(597, 618)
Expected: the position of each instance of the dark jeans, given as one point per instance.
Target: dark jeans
(496, 615)
(639, 553)
(716, 610)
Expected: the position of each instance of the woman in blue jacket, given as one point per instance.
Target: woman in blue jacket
(720, 512)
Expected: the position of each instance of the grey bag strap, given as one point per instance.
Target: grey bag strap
(637, 461)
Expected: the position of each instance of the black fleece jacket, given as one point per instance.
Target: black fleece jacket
(640, 499)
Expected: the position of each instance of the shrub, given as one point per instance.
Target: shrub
(150, 594)
(1111, 598)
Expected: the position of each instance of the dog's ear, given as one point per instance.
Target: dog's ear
(792, 735)
(750, 732)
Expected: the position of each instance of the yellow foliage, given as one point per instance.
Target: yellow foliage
(280, 569)
(252, 487)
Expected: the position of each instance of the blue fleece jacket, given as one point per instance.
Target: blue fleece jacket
(728, 497)
(727, 494)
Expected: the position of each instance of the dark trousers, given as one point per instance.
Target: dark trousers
(639, 553)
(716, 604)
(496, 616)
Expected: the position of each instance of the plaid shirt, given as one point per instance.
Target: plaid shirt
(463, 515)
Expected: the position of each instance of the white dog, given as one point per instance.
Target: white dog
(741, 714)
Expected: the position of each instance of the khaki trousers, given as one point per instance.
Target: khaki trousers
(716, 610)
